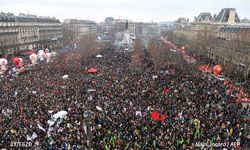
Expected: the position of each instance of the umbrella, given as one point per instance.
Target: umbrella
(92, 70)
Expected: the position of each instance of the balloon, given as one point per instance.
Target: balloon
(16, 61)
(217, 69)
(40, 52)
(47, 55)
(20, 62)
(41, 55)
(3, 63)
(46, 50)
(33, 58)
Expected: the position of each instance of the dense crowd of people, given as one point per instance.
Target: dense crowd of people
(102, 106)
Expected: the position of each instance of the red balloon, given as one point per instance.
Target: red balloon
(20, 64)
(217, 69)
(16, 61)
(46, 50)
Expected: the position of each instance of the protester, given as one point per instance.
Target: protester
(111, 109)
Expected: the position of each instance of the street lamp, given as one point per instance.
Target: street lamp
(87, 116)
(2, 47)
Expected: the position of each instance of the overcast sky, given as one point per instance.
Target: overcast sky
(137, 10)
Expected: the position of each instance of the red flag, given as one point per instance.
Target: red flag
(162, 118)
(166, 90)
(155, 115)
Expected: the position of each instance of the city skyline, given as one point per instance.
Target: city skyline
(140, 10)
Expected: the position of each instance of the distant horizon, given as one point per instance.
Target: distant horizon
(62, 20)
(138, 11)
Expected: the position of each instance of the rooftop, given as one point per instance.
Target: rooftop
(10, 17)
(205, 17)
(226, 14)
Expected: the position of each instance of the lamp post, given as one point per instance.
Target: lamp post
(2, 48)
(87, 116)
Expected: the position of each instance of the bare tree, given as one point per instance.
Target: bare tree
(89, 45)
(237, 53)
(155, 52)
(138, 55)
(68, 36)
(169, 34)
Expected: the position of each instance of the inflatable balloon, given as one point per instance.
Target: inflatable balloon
(41, 55)
(33, 58)
(40, 52)
(3, 64)
(217, 69)
(48, 56)
(46, 50)
(16, 61)
(3, 61)
(20, 62)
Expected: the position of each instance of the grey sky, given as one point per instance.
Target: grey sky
(137, 10)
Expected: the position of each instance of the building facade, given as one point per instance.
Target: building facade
(50, 33)
(147, 31)
(222, 38)
(9, 33)
(74, 29)
(113, 26)
(28, 32)
(233, 32)
(231, 47)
